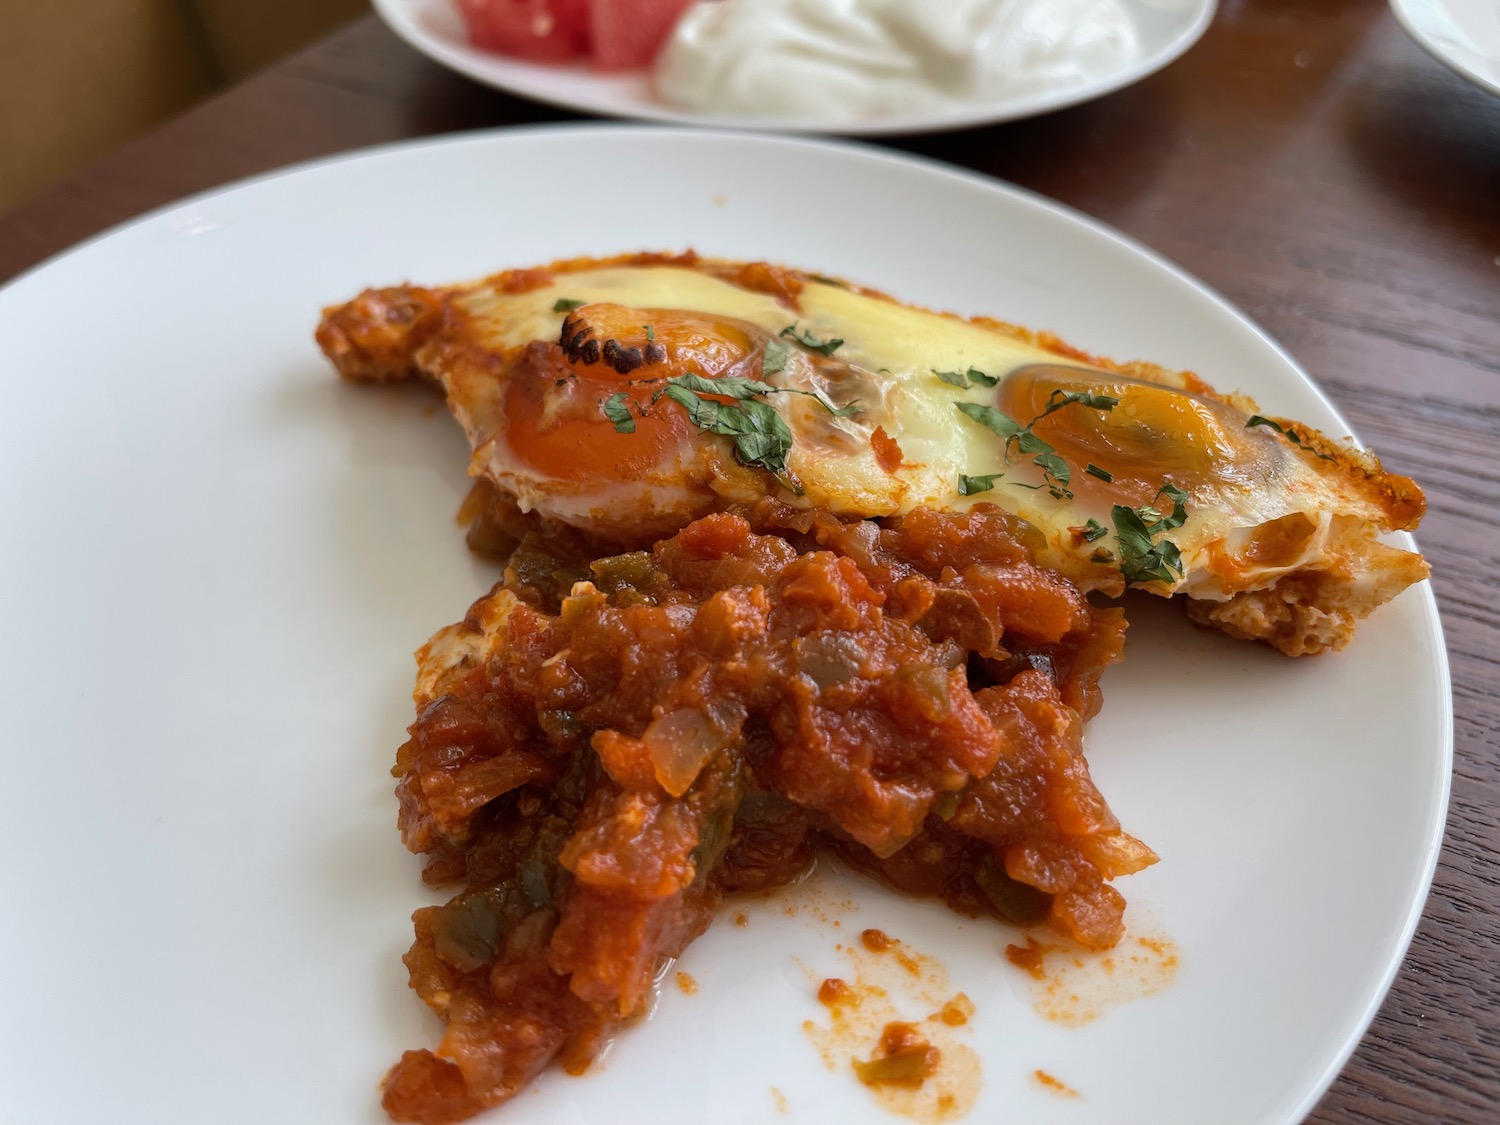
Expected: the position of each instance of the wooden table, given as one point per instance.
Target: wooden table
(1307, 160)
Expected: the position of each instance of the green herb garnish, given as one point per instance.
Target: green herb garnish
(1287, 432)
(616, 410)
(991, 419)
(1056, 473)
(811, 342)
(1094, 470)
(760, 435)
(963, 379)
(1094, 530)
(775, 357)
(968, 486)
(567, 304)
(1145, 554)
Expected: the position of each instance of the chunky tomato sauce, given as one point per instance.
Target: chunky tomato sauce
(654, 730)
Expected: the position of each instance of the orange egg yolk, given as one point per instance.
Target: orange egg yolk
(556, 393)
(1153, 433)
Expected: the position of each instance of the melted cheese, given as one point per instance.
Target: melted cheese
(1239, 480)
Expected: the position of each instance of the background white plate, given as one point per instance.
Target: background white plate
(1463, 35)
(1166, 29)
(217, 558)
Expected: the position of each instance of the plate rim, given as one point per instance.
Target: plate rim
(397, 15)
(1418, 32)
(1441, 763)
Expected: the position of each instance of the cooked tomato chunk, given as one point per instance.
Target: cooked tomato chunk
(606, 747)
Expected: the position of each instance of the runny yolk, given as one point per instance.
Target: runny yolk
(555, 396)
(1154, 433)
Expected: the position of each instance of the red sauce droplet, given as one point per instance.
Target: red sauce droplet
(956, 1012)
(887, 453)
(1062, 1089)
(903, 1058)
(833, 991)
(1028, 957)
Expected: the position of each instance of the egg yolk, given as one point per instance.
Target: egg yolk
(1153, 433)
(556, 393)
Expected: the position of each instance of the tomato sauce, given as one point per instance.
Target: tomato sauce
(651, 731)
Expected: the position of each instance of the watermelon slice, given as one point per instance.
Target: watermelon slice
(627, 34)
(539, 30)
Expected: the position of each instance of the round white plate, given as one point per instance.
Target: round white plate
(1166, 28)
(1463, 35)
(217, 559)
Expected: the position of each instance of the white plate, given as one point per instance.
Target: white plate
(1463, 35)
(1166, 28)
(217, 559)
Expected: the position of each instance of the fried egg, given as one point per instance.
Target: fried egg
(588, 391)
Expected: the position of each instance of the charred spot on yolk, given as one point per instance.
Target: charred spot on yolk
(687, 342)
(555, 392)
(1153, 433)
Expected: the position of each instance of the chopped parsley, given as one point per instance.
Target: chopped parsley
(811, 342)
(968, 486)
(1146, 555)
(963, 379)
(991, 419)
(617, 410)
(1093, 530)
(567, 304)
(775, 357)
(1287, 432)
(760, 435)
(1056, 473)
(650, 333)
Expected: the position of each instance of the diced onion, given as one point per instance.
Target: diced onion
(680, 743)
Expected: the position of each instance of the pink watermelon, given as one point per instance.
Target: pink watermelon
(539, 30)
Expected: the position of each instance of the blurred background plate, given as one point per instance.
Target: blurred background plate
(1463, 35)
(1166, 28)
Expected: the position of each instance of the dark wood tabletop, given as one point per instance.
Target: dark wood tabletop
(1306, 159)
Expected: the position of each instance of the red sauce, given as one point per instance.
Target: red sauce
(523, 281)
(887, 453)
(1031, 957)
(903, 1057)
(956, 1012)
(698, 720)
(1053, 1084)
(833, 991)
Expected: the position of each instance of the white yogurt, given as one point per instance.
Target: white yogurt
(858, 59)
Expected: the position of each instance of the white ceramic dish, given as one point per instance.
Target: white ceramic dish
(1463, 35)
(1166, 29)
(218, 558)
